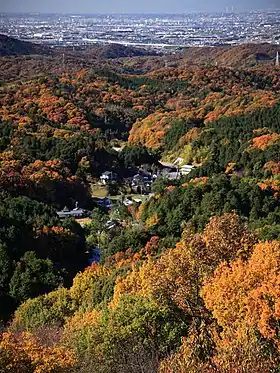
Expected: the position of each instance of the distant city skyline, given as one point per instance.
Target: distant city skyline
(133, 6)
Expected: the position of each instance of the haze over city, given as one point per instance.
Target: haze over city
(134, 6)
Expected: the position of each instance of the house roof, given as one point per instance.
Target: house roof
(108, 173)
(75, 212)
(187, 166)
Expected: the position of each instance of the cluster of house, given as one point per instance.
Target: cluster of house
(141, 183)
(175, 171)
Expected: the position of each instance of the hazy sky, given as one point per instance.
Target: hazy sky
(132, 6)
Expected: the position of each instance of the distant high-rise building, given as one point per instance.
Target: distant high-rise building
(277, 60)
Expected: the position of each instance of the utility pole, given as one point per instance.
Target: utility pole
(277, 60)
(63, 62)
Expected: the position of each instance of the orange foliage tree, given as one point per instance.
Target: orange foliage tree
(244, 299)
(22, 353)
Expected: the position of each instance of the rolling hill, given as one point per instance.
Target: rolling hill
(14, 47)
(236, 56)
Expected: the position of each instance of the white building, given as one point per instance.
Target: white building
(108, 176)
(186, 169)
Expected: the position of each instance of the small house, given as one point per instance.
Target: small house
(108, 176)
(141, 183)
(76, 213)
(105, 203)
(186, 169)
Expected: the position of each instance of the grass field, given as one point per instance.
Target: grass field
(83, 221)
(99, 191)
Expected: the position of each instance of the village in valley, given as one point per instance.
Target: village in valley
(134, 190)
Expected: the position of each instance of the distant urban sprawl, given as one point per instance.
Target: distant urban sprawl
(156, 30)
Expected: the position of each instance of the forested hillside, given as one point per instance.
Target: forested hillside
(189, 274)
(245, 55)
(14, 47)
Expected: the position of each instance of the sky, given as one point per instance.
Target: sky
(132, 6)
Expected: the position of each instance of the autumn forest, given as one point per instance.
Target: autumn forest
(189, 276)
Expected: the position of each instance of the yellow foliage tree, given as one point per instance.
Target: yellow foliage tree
(84, 281)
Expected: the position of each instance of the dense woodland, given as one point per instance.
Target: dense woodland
(189, 279)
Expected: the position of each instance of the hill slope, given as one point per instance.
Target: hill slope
(14, 47)
(237, 56)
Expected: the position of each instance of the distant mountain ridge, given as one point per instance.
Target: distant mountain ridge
(232, 56)
(14, 47)
(119, 51)
(106, 51)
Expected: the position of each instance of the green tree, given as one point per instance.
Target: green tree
(5, 269)
(33, 277)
